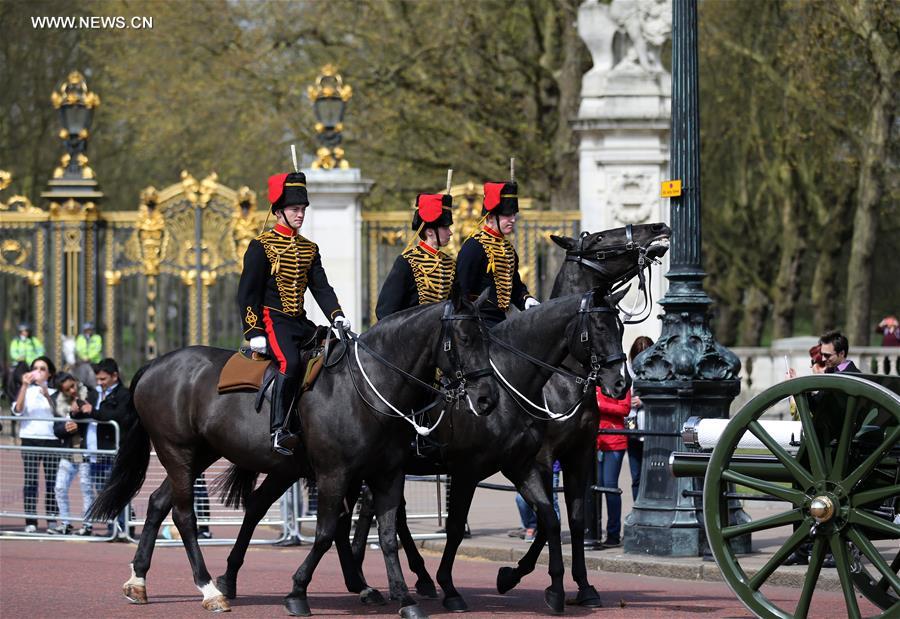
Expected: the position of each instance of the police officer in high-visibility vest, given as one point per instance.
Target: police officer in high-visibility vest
(279, 266)
(488, 260)
(88, 344)
(25, 348)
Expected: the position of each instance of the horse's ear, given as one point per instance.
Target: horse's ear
(614, 298)
(565, 242)
(482, 298)
(457, 298)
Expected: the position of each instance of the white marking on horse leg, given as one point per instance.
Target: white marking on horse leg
(135, 580)
(209, 591)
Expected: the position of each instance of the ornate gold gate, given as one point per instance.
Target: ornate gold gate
(386, 233)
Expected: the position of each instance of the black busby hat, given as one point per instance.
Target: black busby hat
(500, 198)
(433, 210)
(287, 190)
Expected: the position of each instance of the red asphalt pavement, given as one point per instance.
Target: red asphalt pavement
(53, 579)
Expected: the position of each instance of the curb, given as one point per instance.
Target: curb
(646, 565)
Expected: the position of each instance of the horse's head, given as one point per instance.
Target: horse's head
(463, 356)
(610, 256)
(595, 340)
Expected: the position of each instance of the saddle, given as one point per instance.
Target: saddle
(248, 371)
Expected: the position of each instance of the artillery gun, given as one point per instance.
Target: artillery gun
(837, 472)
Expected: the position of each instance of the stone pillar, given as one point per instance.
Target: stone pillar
(334, 223)
(623, 124)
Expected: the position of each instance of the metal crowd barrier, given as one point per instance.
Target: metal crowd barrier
(85, 470)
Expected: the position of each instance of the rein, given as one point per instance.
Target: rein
(586, 382)
(451, 390)
(594, 263)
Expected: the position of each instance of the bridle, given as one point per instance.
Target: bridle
(594, 364)
(593, 260)
(452, 388)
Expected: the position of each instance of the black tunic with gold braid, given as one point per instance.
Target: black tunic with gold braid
(279, 266)
(420, 275)
(488, 260)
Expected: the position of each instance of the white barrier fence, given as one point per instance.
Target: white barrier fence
(53, 486)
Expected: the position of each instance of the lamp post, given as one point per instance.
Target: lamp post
(329, 98)
(686, 372)
(76, 106)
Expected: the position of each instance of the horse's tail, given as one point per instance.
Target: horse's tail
(234, 486)
(129, 468)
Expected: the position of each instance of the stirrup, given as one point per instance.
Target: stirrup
(283, 442)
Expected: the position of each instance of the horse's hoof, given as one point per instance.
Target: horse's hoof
(413, 612)
(217, 604)
(426, 589)
(555, 601)
(456, 604)
(135, 594)
(227, 586)
(588, 597)
(507, 578)
(371, 596)
(297, 607)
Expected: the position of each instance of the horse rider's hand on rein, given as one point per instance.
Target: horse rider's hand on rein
(531, 302)
(342, 322)
(258, 344)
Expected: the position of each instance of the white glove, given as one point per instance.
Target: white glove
(258, 344)
(342, 322)
(531, 302)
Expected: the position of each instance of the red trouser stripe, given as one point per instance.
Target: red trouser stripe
(273, 341)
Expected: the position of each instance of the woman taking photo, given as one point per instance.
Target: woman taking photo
(33, 404)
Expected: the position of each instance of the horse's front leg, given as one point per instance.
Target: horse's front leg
(388, 495)
(460, 501)
(332, 490)
(258, 503)
(135, 588)
(578, 470)
(533, 489)
(424, 584)
(351, 567)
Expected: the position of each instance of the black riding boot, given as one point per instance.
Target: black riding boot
(284, 390)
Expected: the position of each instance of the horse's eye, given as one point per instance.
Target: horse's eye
(464, 338)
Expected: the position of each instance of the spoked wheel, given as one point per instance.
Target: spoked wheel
(840, 481)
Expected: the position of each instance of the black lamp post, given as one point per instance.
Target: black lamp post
(76, 106)
(686, 373)
(329, 97)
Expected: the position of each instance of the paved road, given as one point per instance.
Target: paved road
(51, 579)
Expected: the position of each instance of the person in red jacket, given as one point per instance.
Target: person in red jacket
(611, 452)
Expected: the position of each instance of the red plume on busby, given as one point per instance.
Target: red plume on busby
(500, 199)
(287, 189)
(433, 210)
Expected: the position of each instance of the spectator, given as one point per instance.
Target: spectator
(635, 420)
(611, 452)
(34, 403)
(72, 401)
(834, 350)
(88, 345)
(25, 348)
(889, 328)
(114, 404)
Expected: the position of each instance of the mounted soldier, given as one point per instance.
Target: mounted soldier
(423, 273)
(488, 260)
(279, 266)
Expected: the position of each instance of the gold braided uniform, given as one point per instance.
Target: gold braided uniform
(420, 275)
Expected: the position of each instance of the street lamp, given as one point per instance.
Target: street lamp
(76, 106)
(329, 97)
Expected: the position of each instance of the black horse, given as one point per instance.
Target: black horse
(621, 252)
(602, 260)
(191, 426)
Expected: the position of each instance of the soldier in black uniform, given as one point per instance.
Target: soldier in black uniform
(488, 260)
(422, 273)
(279, 266)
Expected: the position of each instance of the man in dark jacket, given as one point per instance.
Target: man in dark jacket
(834, 350)
(114, 405)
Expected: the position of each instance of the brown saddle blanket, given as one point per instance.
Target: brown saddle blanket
(244, 372)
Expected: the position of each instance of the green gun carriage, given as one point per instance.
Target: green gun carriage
(839, 481)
